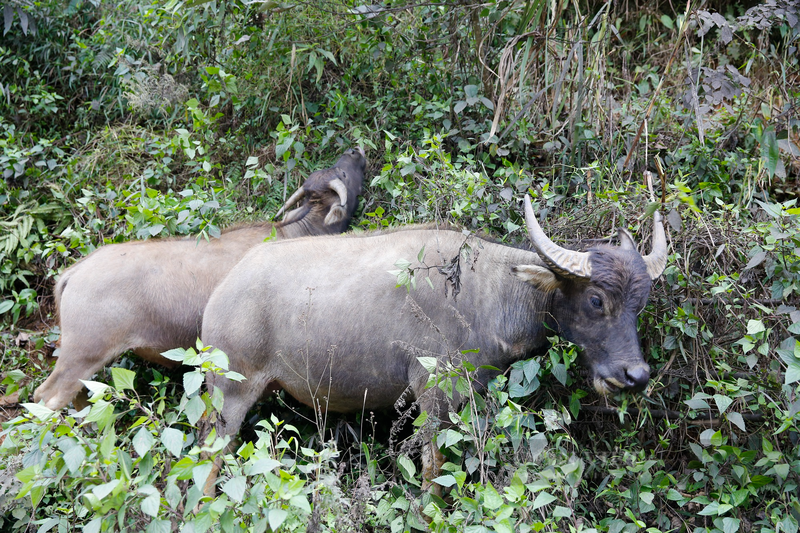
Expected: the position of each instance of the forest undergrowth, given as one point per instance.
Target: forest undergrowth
(129, 120)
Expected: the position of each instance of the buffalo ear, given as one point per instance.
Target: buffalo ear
(540, 277)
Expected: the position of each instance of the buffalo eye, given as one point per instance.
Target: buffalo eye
(597, 303)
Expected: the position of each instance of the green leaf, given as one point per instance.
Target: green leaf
(235, 488)
(723, 402)
(276, 518)
(192, 381)
(173, 441)
(560, 511)
(123, 378)
(542, 499)
(200, 473)
(101, 491)
(101, 412)
(792, 373)
(736, 419)
(770, 153)
(445, 481)
(95, 387)
(560, 373)
(93, 526)
(195, 409)
(406, 467)
(647, 497)
(143, 441)
(491, 499)
(262, 466)
(42, 413)
(74, 458)
(176, 354)
(730, 525)
(159, 526)
(755, 326)
(429, 363)
(5, 306)
(152, 501)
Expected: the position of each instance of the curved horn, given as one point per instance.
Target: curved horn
(293, 199)
(656, 260)
(626, 241)
(341, 189)
(565, 262)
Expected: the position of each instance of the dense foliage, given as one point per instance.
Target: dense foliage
(126, 120)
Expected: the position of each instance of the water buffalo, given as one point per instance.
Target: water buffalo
(149, 296)
(336, 333)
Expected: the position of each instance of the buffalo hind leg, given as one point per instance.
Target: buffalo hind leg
(73, 364)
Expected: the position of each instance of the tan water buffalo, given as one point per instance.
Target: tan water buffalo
(149, 296)
(336, 333)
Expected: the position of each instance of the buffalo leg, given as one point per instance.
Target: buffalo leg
(64, 383)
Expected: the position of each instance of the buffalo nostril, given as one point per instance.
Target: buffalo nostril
(638, 377)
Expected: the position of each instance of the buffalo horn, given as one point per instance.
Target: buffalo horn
(293, 199)
(626, 241)
(341, 189)
(656, 260)
(568, 263)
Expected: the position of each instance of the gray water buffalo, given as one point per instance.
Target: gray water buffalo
(149, 296)
(336, 333)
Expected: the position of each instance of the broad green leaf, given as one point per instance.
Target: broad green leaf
(95, 387)
(647, 497)
(74, 458)
(736, 419)
(102, 412)
(560, 511)
(560, 373)
(101, 491)
(176, 354)
(301, 502)
(491, 499)
(723, 402)
(235, 488)
(201, 472)
(152, 501)
(194, 409)
(407, 467)
(542, 499)
(755, 326)
(445, 481)
(123, 378)
(537, 444)
(730, 525)
(173, 441)
(192, 381)
(42, 413)
(93, 526)
(276, 518)
(143, 441)
(262, 466)
(792, 373)
(159, 526)
(429, 363)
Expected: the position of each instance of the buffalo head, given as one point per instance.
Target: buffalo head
(596, 298)
(330, 189)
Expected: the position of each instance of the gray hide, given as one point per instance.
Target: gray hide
(336, 333)
(149, 296)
